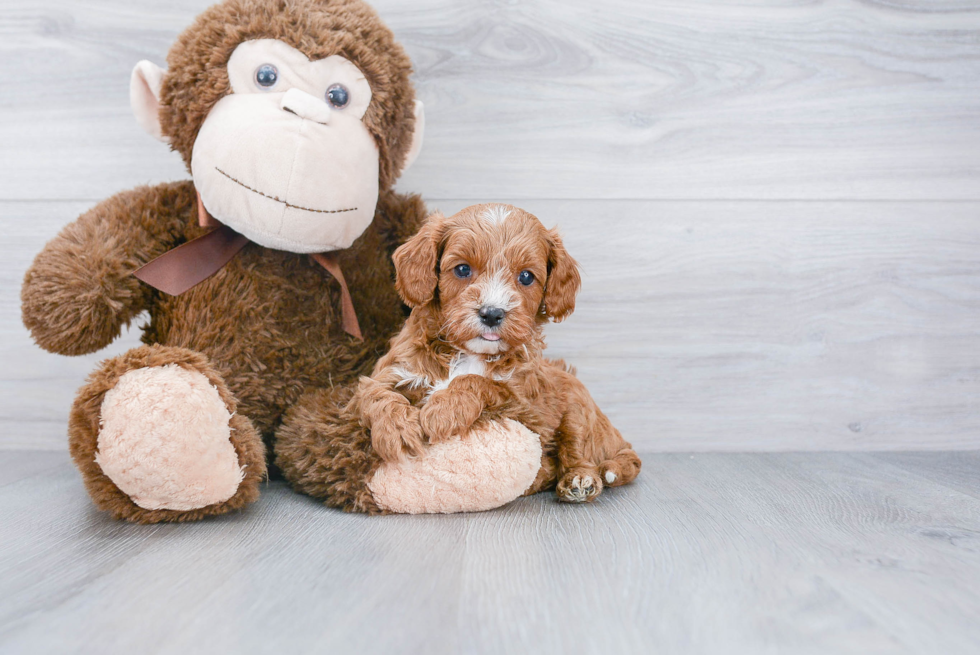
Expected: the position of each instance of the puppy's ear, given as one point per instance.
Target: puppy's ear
(563, 281)
(417, 263)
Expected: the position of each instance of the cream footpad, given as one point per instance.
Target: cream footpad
(487, 468)
(165, 440)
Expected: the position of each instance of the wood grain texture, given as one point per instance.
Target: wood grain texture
(564, 98)
(788, 553)
(701, 325)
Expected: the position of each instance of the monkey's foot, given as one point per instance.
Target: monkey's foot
(487, 468)
(165, 440)
(156, 437)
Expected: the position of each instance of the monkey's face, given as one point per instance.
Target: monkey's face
(284, 158)
(291, 116)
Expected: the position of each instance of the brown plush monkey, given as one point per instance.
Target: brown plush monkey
(295, 119)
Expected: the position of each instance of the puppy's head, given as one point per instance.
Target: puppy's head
(491, 273)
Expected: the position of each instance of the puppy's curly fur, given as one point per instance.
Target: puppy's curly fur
(482, 284)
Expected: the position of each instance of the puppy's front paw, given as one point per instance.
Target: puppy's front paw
(438, 422)
(581, 485)
(398, 433)
(441, 418)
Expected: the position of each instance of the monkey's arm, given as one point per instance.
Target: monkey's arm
(80, 291)
(399, 217)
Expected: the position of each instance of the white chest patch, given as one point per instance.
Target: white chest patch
(462, 364)
(410, 379)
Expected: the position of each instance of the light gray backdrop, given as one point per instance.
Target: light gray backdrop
(775, 204)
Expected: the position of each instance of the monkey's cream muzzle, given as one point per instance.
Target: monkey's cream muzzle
(287, 171)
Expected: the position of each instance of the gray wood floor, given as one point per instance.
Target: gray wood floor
(706, 553)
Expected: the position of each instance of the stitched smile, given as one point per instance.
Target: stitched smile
(290, 205)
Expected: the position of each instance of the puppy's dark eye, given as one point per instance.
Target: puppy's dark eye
(462, 271)
(526, 278)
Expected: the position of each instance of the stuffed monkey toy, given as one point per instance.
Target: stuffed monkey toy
(267, 278)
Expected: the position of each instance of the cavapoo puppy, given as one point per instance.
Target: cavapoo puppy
(482, 284)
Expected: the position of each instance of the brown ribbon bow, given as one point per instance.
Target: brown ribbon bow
(189, 264)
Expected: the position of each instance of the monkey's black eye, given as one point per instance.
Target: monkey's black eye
(338, 96)
(462, 271)
(526, 278)
(266, 76)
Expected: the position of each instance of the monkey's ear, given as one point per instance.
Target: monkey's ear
(144, 97)
(417, 263)
(563, 281)
(417, 134)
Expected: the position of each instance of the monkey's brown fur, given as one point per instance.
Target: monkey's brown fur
(399, 409)
(265, 330)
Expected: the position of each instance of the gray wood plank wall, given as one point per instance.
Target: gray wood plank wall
(776, 204)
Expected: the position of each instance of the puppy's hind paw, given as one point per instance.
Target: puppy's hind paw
(621, 469)
(579, 486)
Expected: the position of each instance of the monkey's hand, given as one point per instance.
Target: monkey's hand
(80, 291)
(453, 411)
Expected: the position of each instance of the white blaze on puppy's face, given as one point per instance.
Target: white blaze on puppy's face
(498, 290)
(285, 159)
(495, 290)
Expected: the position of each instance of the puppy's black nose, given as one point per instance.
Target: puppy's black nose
(491, 316)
